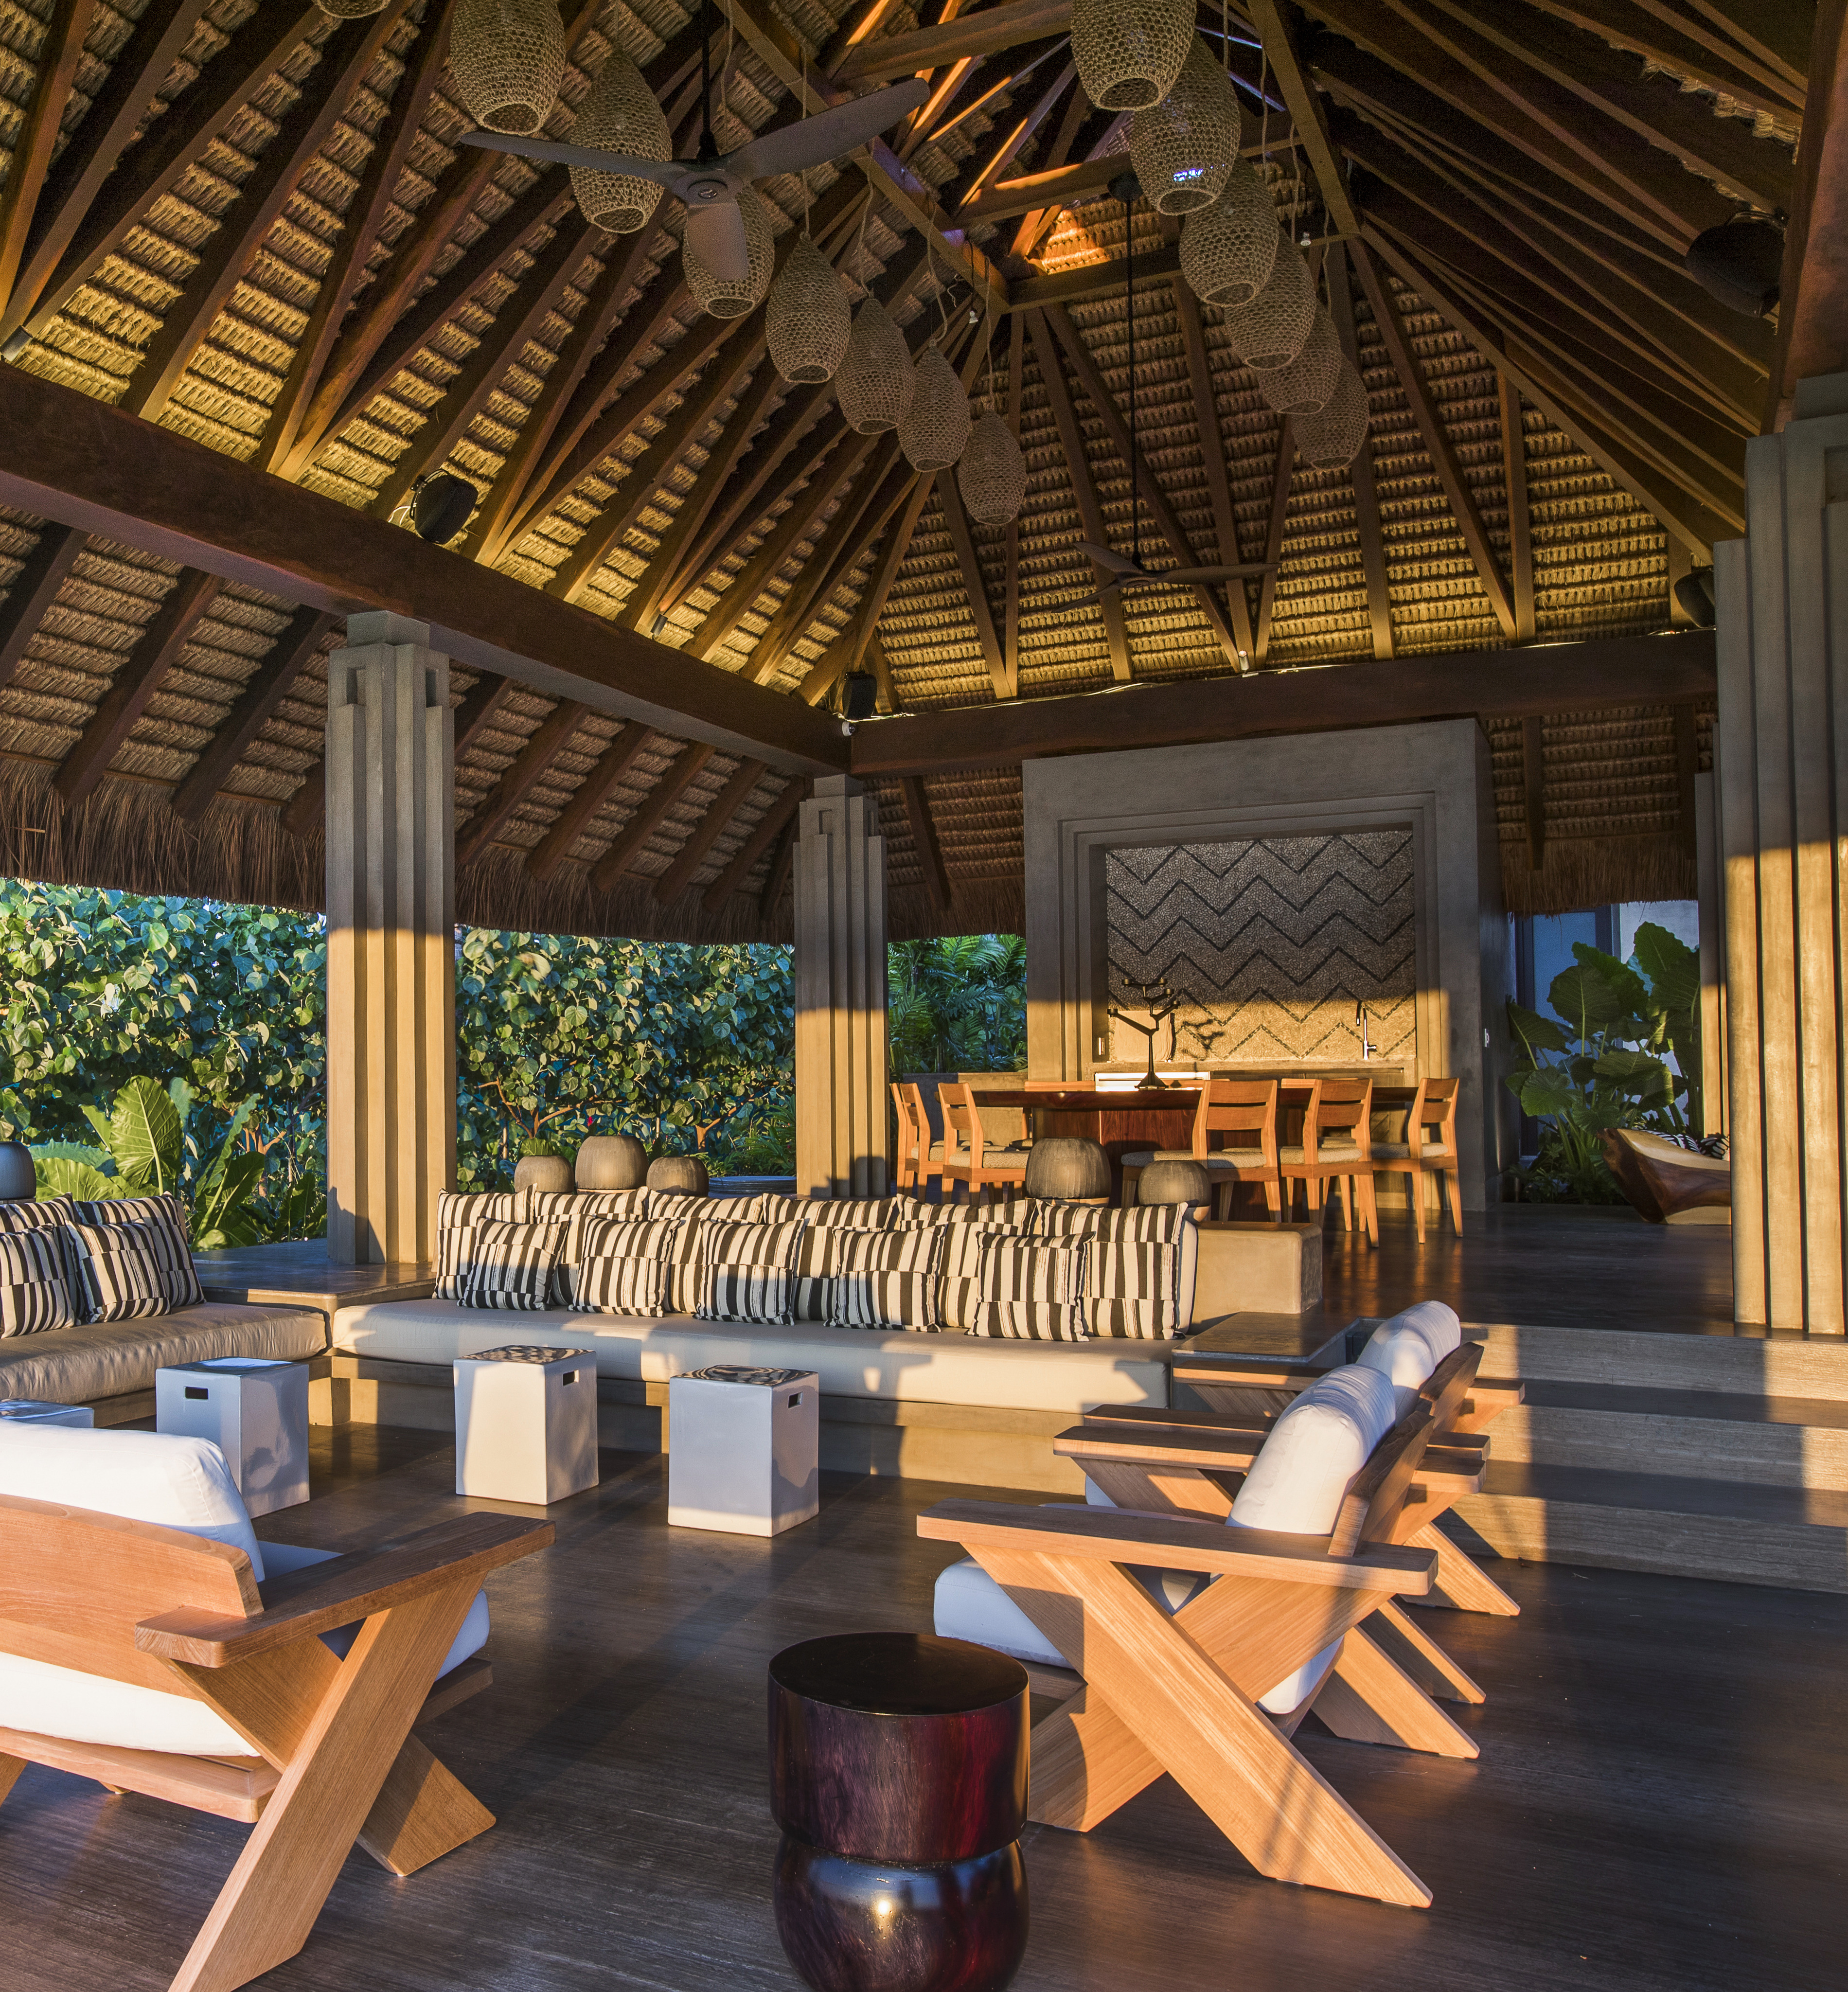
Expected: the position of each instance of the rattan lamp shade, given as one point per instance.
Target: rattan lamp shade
(1269, 331)
(508, 59)
(1303, 387)
(715, 296)
(934, 430)
(1130, 51)
(809, 317)
(350, 10)
(1228, 250)
(619, 114)
(1331, 438)
(1184, 148)
(992, 475)
(874, 381)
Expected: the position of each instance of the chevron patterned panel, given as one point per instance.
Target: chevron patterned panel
(1270, 941)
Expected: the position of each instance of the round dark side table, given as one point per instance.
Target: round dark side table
(898, 1776)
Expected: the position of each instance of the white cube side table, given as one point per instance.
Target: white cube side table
(525, 1423)
(741, 1449)
(38, 1411)
(254, 1410)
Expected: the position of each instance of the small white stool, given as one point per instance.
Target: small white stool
(37, 1411)
(254, 1410)
(525, 1423)
(741, 1449)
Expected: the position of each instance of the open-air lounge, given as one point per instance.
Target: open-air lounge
(1324, 518)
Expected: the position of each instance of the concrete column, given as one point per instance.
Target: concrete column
(390, 942)
(841, 1063)
(1781, 764)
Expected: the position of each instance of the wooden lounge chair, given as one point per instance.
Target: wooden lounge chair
(1186, 1693)
(968, 1158)
(1667, 1183)
(330, 1758)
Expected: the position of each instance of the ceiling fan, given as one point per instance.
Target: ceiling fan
(711, 181)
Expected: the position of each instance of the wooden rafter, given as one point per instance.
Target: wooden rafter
(1051, 186)
(650, 814)
(1436, 444)
(765, 831)
(1520, 533)
(604, 778)
(1212, 455)
(1038, 219)
(1366, 497)
(1533, 788)
(844, 658)
(1091, 281)
(33, 591)
(1279, 27)
(867, 23)
(1281, 478)
(879, 59)
(782, 863)
(1671, 38)
(61, 52)
(1017, 369)
(264, 691)
(707, 831)
(550, 739)
(955, 522)
(307, 806)
(134, 684)
(924, 841)
(1018, 135)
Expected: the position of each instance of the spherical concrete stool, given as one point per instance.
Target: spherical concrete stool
(678, 1175)
(18, 1179)
(1175, 1182)
(543, 1172)
(1068, 1168)
(611, 1162)
(898, 1776)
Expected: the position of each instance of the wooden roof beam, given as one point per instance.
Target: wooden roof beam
(1366, 497)
(776, 880)
(62, 50)
(1520, 529)
(1773, 32)
(692, 855)
(924, 840)
(1212, 455)
(264, 691)
(769, 826)
(648, 815)
(1279, 27)
(956, 522)
(880, 58)
(549, 739)
(1673, 38)
(1016, 371)
(843, 658)
(606, 775)
(1053, 187)
(1024, 128)
(1092, 280)
(1812, 311)
(1282, 477)
(137, 679)
(1533, 787)
(33, 590)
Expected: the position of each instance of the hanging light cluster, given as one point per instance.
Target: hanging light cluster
(934, 430)
(722, 297)
(1302, 385)
(809, 318)
(508, 60)
(1228, 250)
(619, 114)
(1184, 148)
(875, 383)
(992, 475)
(1332, 437)
(1129, 52)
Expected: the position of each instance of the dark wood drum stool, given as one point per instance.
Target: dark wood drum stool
(898, 1776)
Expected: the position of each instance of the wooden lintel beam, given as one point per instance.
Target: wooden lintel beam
(1282, 477)
(62, 51)
(1671, 668)
(1093, 280)
(136, 680)
(1279, 27)
(956, 521)
(924, 839)
(549, 740)
(1520, 530)
(265, 689)
(650, 814)
(985, 32)
(1533, 787)
(707, 831)
(604, 778)
(1366, 496)
(765, 831)
(33, 591)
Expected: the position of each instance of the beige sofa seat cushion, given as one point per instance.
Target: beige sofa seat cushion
(107, 1358)
(850, 1361)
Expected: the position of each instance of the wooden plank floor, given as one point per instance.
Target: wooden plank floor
(1657, 1807)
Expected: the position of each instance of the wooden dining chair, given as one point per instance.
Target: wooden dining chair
(920, 1162)
(1336, 1147)
(1428, 1150)
(1139, 1159)
(969, 1159)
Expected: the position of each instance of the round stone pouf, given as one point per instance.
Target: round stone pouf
(898, 1776)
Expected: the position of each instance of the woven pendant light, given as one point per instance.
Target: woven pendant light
(1303, 386)
(1228, 250)
(875, 379)
(508, 59)
(350, 10)
(1331, 438)
(1184, 148)
(809, 317)
(619, 114)
(1130, 51)
(717, 296)
(1269, 331)
(992, 475)
(934, 430)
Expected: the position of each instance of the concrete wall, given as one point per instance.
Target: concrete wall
(1433, 779)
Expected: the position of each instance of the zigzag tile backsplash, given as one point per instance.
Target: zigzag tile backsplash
(1270, 941)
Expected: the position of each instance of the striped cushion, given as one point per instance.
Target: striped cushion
(745, 1272)
(884, 1279)
(694, 1214)
(1133, 1289)
(768, 1206)
(37, 1213)
(1031, 1291)
(1003, 1205)
(574, 1208)
(165, 1217)
(960, 1271)
(35, 1289)
(627, 1265)
(508, 1266)
(1159, 1223)
(120, 1270)
(825, 1220)
(458, 1220)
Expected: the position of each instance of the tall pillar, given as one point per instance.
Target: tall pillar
(390, 942)
(840, 1075)
(1780, 750)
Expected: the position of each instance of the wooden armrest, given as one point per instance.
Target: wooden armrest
(326, 1595)
(1451, 1469)
(1112, 1536)
(1252, 1375)
(1499, 1392)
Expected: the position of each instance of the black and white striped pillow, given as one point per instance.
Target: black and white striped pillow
(1133, 1290)
(827, 1219)
(459, 1218)
(961, 1269)
(1142, 1223)
(120, 1270)
(509, 1266)
(885, 1279)
(575, 1210)
(1031, 1291)
(745, 1272)
(165, 1218)
(35, 1287)
(627, 1266)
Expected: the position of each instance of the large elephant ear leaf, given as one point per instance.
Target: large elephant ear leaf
(144, 1135)
(1548, 1091)
(1590, 999)
(1672, 966)
(69, 1174)
(1537, 1033)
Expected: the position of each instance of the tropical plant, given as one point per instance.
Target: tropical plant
(958, 1004)
(1622, 1050)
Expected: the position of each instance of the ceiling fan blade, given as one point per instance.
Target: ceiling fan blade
(828, 135)
(715, 233)
(1106, 557)
(664, 172)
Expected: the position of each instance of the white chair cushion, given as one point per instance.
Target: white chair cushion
(1329, 1151)
(970, 1605)
(1437, 1322)
(1403, 1354)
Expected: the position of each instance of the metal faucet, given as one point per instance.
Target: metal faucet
(1361, 1020)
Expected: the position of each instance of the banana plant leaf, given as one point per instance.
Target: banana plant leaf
(1672, 966)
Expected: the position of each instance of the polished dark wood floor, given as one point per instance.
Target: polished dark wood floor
(1657, 1807)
